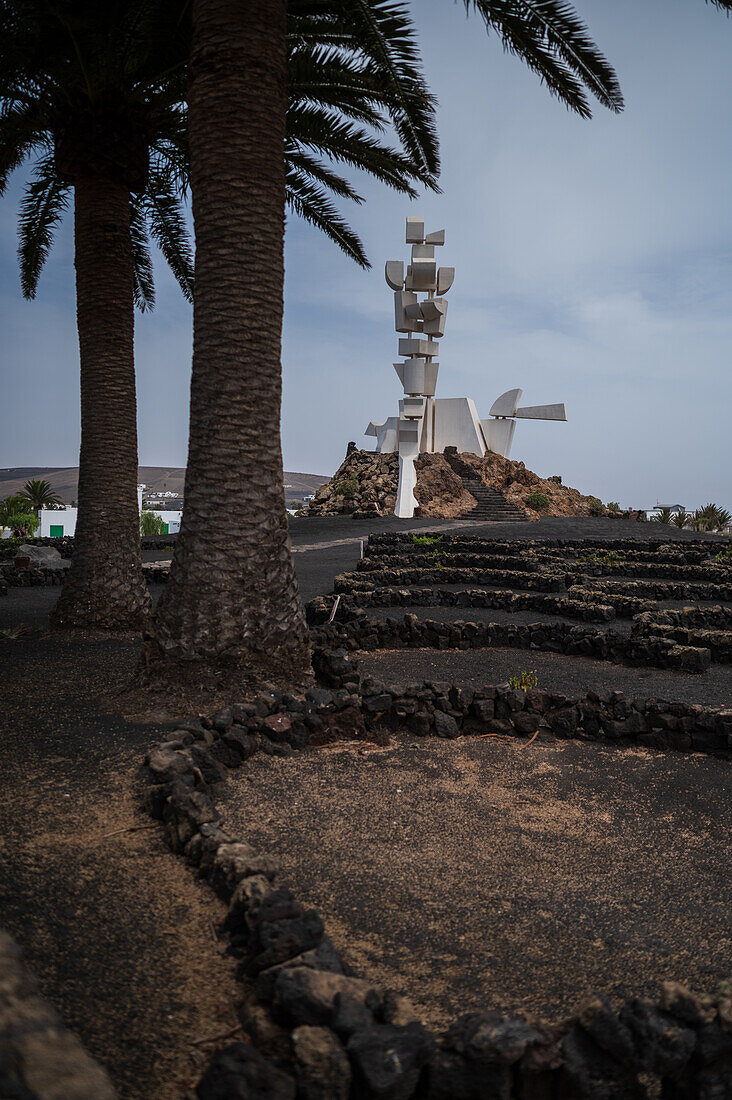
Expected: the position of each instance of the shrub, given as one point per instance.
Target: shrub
(347, 488)
(426, 540)
(150, 524)
(525, 681)
(613, 506)
(538, 502)
(596, 507)
(602, 556)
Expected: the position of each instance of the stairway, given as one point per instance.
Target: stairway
(492, 506)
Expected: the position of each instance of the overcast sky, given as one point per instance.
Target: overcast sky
(594, 266)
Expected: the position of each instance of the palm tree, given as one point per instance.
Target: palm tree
(40, 494)
(91, 91)
(663, 515)
(712, 518)
(105, 74)
(682, 518)
(231, 607)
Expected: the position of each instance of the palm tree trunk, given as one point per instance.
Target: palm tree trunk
(231, 607)
(105, 587)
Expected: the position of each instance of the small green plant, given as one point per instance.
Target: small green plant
(347, 488)
(724, 555)
(426, 540)
(602, 557)
(525, 681)
(596, 506)
(537, 502)
(613, 506)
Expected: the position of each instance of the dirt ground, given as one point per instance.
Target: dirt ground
(117, 931)
(478, 873)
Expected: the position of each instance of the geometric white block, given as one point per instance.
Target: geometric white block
(418, 376)
(435, 238)
(543, 412)
(445, 277)
(457, 425)
(434, 312)
(404, 300)
(423, 274)
(408, 347)
(394, 274)
(431, 308)
(506, 404)
(386, 435)
(413, 407)
(415, 230)
(423, 252)
(499, 435)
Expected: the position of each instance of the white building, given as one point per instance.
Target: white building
(57, 523)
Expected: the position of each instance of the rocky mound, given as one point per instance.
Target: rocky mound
(366, 484)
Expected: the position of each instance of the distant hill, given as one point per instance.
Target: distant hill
(64, 480)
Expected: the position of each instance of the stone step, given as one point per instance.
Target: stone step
(491, 505)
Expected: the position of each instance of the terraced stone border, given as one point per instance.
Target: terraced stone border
(689, 551)
(369, 634)
(320, 1032)
(319, 609)
(39, 1058)
(709, 572)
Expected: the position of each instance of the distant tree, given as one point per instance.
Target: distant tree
(150, 524)
(711, 518)
(664, 515)
(11, 509)
(40, 494)
(682, 518)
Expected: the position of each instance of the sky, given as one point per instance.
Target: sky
(593, 266)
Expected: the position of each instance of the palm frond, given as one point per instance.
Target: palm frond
(385, 34)
(20, 133)
(311, 202)
(41, 209)
(319, 171)
(334, 137)
(549, 37)
(161, 202)
(144, 286)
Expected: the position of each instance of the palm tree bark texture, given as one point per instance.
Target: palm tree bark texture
(105, 587)
(231, 606)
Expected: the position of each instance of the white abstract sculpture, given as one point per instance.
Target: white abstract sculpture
(424, 422)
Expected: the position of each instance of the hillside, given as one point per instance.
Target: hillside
(64, 480)
(367, 483)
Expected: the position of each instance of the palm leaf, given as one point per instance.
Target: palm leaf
(144, 285)
(20, 133)
(161, 202)
(311, 202)
(41, 209)
(384, 33)
(549, 37)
